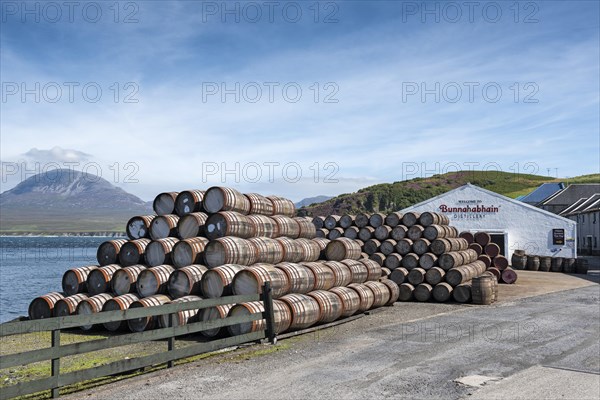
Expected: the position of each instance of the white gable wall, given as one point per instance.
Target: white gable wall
(471, 208)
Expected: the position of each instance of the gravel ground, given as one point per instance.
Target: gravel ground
(398, 354)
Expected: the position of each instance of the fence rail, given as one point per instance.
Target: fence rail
(58, 351)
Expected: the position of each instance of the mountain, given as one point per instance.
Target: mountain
(312, 200)
(67, 201)
(395, 196)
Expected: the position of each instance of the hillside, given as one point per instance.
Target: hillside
(311, 200)
(395, 196)
(60, 201)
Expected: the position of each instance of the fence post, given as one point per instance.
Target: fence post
(55, 363)
(171, 342)
(269, 316)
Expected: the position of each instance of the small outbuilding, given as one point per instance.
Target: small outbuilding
(511, 223)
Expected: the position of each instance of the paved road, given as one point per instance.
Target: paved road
(540, 347)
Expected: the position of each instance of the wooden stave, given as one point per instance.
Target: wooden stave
(416, 276)
(406, 292)
(146, 323)
(282, 206)
(108, 252)
(191, 275)
(258, 274)
(225, 274)
(377, 219)
(228, 223)
(420, 246)
(191, 225)
(332, 221)
(404, 246)
(157, 280)
(393, 261)
(373, 269)
(381, 293)
(330, 305)
(349, 298)
(229, 250)
(72, 286)
(423, 292)
(304, 309)
(301, 279)
(362, 220)
(68, 305)
(399, 275)
(92, 305)
(259, 204)
(307, 229)
(366, 295)
(181, 317)
(98, 280)
(164, 226)
(121, 302)
(342, 273)
(388, 246)
(131, 272)
(268, 250)
(341, 249)
(219, 198)
(324, 277)
(393, 289)
(346, 221)
(287, 226)
(158, 252)
(189, 252)
(359, 271)
(435, 276)
(442, 292)
(393, 219)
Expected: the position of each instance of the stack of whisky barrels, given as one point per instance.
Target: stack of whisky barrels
(489, 253)
(522, 261)
(219, 242)
(420, 252)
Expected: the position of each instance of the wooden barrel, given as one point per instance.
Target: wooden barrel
(500, 262)
(230, 250)
(322, 233)
(164, 226)
(228, 223)
(509, 276)
(492, 250)
(556, 264)
(581, 266)
(75, 279)
(415, 232)
(164, 203)
(520, 261)
(154, 280)
(331, 221)
(440, 246)
(183, 317)
(219, 198)
(212, 314)
(188, 252)
(496, 272)
(319, 222)
(428, 260)
(377, 219)
(373, 269)
(287, 226)
(399, 275)
(362, 220)
(366, 295)
(359, 272)
(189, 201)
(251, 280)
(393, 219)
(450, 260)
(92, 305)
(346, 221)
(335, 233)
(330, 305)
(282, 316)
(263, 226)
(186, 281)
(292, 249)
(158, 252)
(351, 232)
(146, 323)
(191, 225)
(477, 248)
(483, 238)
(124, 280)
(342, 249)
(68, 305)
(442, 292)
(423, 292)
(349, 298)
(462, 293)
(381, 293)
(416, 276)
(482, 290)
(433, 232)
(410, 218)
(387, 247)
(269, 250)
(133, 252)
(429, 218)
(404, 246)
(420, 246)
(98, 280)
(485, 259)
(301, 279)
(399, 232)
(385, 272)
(282, 206)
(393, 261)
(545, 264)
(365, 233)
(382, 232)
(307, 229)
(569, 265)
(117, 303)
(259, 204)
(435, 276)
(468, 236)
(393, 289)
(406, 292)
(410, 261)
(322, 242)
(464, 273)
(324, 277)
(379, 258)
(216, 282)
(304, 309)
(520, 252)
(342, 273)
(108, 252)
(138, 227)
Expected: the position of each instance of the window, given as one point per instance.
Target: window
(582, 217)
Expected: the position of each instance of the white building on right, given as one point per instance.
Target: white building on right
(586, 212)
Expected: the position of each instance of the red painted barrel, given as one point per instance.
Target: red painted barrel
(468, 236)
(509, 276)
(483, 238)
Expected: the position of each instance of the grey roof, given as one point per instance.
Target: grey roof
(572, 193)
(591, 204)
(573, 206)
(544, 191)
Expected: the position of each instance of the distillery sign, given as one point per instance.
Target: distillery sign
(469, 209)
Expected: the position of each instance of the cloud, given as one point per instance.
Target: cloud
(57, 155)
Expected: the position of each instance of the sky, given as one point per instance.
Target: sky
(297, 98)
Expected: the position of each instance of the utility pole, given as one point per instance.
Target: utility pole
(548, 171)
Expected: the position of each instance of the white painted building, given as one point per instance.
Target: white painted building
(513, 224)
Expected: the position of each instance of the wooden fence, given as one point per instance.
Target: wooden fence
(57, 351)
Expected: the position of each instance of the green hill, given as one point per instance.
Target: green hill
(395, 196)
